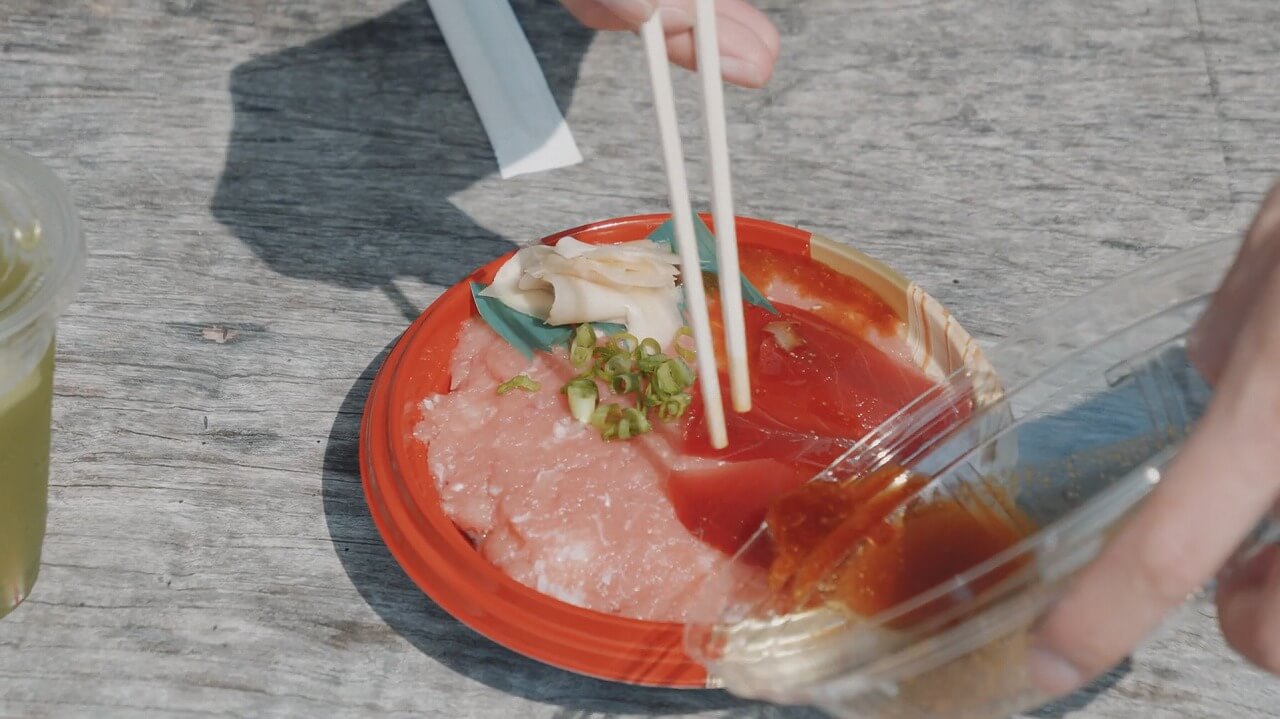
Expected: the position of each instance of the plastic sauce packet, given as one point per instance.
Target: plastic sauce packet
(525, 127)
(904, 580)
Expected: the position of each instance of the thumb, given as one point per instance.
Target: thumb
(1215, 333)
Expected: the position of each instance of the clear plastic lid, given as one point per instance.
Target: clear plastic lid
(904, 580)
(42, 258)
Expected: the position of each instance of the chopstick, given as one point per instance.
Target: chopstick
(708, 52)
(682, 213)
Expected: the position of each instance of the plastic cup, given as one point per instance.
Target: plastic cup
(41, 267)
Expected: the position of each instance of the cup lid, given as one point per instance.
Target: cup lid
(41, 244)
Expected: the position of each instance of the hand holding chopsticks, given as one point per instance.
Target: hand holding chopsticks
(748, 39)
(722, 213)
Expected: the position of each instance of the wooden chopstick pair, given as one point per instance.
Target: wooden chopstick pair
(708, 55)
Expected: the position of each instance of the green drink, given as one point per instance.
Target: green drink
(41, 263)
(24, 474)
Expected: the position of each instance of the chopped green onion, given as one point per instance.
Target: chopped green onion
(624, 383)
(616, 365)
(579, 356)
(584, 335)
(625, 341)
(674, 406)
(609, 349)
(619, 430)
(664, 377)
(648, 396)
(617, 422)
(606, 352)
(650, 364)
(684, 351)
(683, 373)
(583, 395)
(600, 416)
(581, 349)
(628, 366)
(520, 381)
(637, 420)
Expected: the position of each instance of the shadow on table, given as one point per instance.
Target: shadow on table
(344, 151)
(1084, 697)
(395, 598)
(342, 158)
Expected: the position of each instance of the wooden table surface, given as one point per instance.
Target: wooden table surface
(272, 190)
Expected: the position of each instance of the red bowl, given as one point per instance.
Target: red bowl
(405, 505)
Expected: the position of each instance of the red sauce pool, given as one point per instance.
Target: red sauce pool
(844, 301)
(808, 402)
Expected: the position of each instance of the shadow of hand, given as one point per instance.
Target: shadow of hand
(344, 151)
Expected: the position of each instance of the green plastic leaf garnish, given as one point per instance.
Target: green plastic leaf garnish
(665, 234)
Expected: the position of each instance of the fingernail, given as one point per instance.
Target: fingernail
(1053, 674)
(741, 72)
(633, 11)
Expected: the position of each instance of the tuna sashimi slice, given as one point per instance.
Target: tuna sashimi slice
(546, 501)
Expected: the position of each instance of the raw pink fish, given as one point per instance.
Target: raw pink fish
(547, 502)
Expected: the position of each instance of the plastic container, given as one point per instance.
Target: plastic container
(405, 506)
(41, 267)
(1099, 396)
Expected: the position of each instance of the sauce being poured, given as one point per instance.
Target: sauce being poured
(857, 543)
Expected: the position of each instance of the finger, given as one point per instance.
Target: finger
(1249, 610)
(759, 23)
(595, 15)
(749, 43)
(1215, 491)
(1216, 331)
(678, 16)
(632, 12)
(744, 59)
